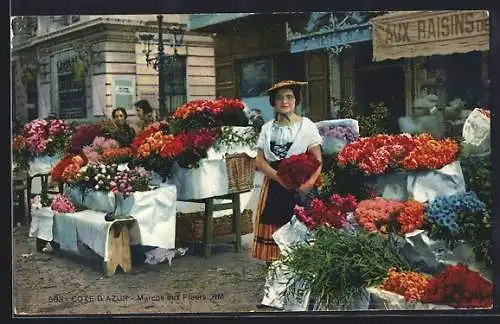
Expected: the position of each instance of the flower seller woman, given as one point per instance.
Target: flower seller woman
(145, 114)
(122, 132)
(288, 134)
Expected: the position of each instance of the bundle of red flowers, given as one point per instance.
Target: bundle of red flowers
(460, 287)
(84, 135)
(66, 170)
(195, 145)
(332, 213)
(380, 153)
(213, 107)
(431, 154)
(380, 215)
(296, 169)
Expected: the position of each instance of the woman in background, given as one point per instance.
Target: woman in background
(145, 114)
(122, 132)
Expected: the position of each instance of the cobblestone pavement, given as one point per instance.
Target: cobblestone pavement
(56, 283)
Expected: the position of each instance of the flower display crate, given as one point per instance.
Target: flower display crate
(190, 226)
(240, 172)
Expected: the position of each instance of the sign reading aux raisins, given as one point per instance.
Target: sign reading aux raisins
(424, 33)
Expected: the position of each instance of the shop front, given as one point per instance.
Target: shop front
(450, 49)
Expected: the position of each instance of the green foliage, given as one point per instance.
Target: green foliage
(229, 137)
(372, 120)
(341, 264)
(343, 179)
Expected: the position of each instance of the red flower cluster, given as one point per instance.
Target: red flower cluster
(141, 138)
(212, 107)
(67, 168)
(332, 213)
(458, 286)
(194, 145)
(84, 135)
(411, 217)
(379, 153)
(297, 169)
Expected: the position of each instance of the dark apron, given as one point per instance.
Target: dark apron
(279, 203)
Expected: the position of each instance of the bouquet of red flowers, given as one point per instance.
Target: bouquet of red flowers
(381, 153)
(296, 169)
(67, 169)
(83, 136)
(155, 150)
(205, 113)
(458, 286)
(194, 146)
(332, 213)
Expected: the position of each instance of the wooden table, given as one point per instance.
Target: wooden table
(119, 253)
(210, 207)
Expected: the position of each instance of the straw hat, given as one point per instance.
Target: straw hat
(286, 84)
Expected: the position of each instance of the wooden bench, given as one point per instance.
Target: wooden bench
(210, 207)
(118, 248)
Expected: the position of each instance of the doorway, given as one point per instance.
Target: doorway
(379, 83)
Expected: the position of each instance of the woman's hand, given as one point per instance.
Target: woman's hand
(306, 187)
(284, 185)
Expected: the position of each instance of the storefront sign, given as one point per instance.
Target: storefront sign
(426, 33)
(124, 92)
(319, 30)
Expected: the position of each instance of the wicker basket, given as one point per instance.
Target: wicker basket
(240, 172)
(189, 226)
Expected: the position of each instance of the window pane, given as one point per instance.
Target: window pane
(71, 91)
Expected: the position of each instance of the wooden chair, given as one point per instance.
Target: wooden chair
(20, 187)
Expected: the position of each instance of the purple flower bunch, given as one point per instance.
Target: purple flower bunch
(339, 132)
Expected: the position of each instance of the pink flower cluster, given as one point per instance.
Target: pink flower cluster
(99, 144)
(62, 204)
(127, 181)
(377, 211)
(40, 132)
(333, 213)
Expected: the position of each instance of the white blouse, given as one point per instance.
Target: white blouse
(303, 135)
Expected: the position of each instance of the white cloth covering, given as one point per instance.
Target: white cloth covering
(43, 164)
(383, 299)
(155, 213)
(423, 185)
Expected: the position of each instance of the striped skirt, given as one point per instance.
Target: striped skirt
(270, 216)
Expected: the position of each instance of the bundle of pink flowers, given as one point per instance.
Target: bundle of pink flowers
(46, 136)
(62, 204)
(99, 144)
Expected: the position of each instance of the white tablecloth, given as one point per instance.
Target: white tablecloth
(43, 164)
(154, 212)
